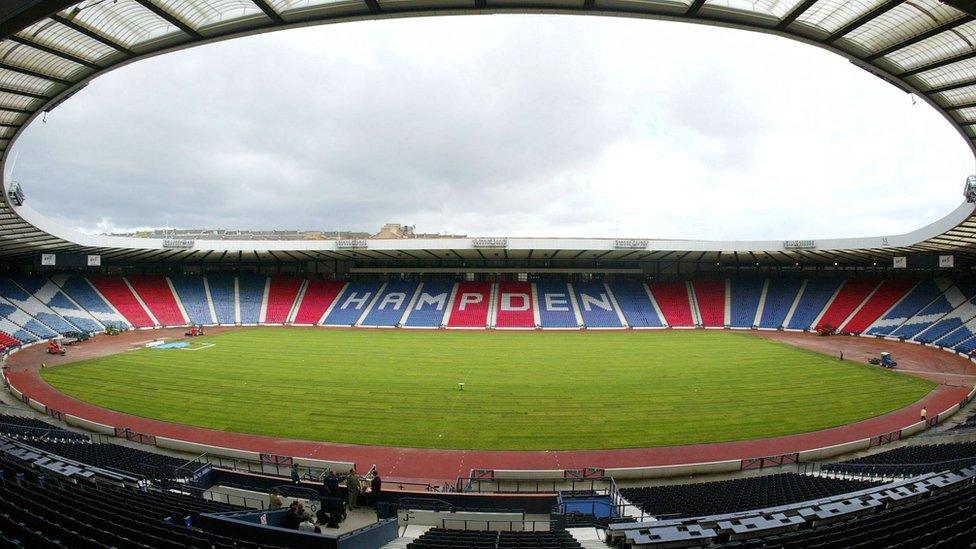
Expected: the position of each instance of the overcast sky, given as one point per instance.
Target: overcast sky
(498, 126)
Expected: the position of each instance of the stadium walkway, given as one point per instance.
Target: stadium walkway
(427, 465)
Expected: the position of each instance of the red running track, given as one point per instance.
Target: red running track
(426, 465)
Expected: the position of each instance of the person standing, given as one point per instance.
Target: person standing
(925, 414)
(274, 501)
(376, 487)
(352, 486)
(295, 479)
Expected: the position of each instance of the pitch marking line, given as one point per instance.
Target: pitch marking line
(203, 346)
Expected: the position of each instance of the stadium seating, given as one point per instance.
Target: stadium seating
(33, 307)
(746, 292)
(514, 306)
(11, 313)
(817, 293)
(8, 341)
(924, 293)
(595, 303)
(111, 456)
(780, 295)
(710, 297)
(942, 305)
(29, 428)
(948, 323)
(250, 297)
(117, 292)
(224, 299)
(193, 296)
(741, 494)
(281, 298)
(556, 305)
(82, 292)
(883, 299)
(909, 461)
(318, 297)
(442, 538)
(392, 303)
(430, 308)
(158, 297)
(852, 294)
(355, 300)
(50, 294)
(472, 302)
(672, 298)
(635, 304)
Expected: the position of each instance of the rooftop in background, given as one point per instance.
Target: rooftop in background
(388, 231)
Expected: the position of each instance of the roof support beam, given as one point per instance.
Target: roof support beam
(938, 64)
(32, 95)
(373, 5)
(960, 107)
(54, 52)
(268, 10)
(18, 111)
(950, 87)
(799, 10)
(695, 7)
(67, 22)
(887, 6)
(916, 39)
(170, 18)
(35, 74)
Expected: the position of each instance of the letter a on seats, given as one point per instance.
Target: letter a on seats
(394, 299)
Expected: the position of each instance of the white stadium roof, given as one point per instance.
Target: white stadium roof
(51, 48)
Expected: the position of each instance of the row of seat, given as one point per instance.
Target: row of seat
(443, 538)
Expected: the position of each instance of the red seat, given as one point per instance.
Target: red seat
(117, 292)
(319, 295)
(514, 305)
(883, 299)
(710, 295)
(156, 293)
(849, 298)
(281, 298)
(470, 309)
(672, 298)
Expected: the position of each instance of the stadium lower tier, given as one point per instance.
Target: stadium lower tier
(938, 311)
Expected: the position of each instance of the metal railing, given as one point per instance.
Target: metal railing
(516, 486)
(476, 524)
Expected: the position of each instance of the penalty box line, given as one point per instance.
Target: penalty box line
(201, 347)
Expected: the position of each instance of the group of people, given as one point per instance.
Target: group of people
(333, 507)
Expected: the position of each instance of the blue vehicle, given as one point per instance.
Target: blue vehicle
(885, 361)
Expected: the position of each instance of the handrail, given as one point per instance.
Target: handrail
(488, 522)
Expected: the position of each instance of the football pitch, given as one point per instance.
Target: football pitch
(522, 390)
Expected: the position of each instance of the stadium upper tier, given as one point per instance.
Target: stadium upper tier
(49, 49)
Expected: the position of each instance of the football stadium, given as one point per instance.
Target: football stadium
(222, 389)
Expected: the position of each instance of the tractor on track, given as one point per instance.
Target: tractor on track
(54, 347)
(195, 331)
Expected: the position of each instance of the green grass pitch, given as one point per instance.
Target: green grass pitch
(523, 390)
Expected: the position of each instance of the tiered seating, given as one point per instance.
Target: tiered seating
(250, 295)
(710, 296)
(595, 305)
(391, 304)
(431, 305)
(958, 336)
(471, 304)
(83, 293)
(281, 298)
(33, 307)
(816, 295)
(514, 305)
(924, 293)
(910, 460)
(319, 295)
(7, 341)
(672, 298)
(556, 305)
(442, 538)
(65, 514)
(955, 296)
(224, 298)
(780, 294)
(25, 427)
(112, 456)
(950, 322)
(946, 519)
(48, 293)
(744, 301)
(193, 296)
(353, 302)
(852, 294)
(118, 293)
(742, 494)
(636, 305)
(883, 299)
(157, 295)
(10, 313)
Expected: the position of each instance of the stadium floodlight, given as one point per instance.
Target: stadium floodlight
(970, 190)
